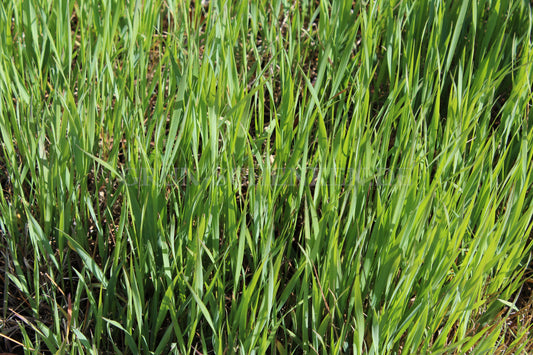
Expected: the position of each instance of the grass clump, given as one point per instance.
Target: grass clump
(265, 176)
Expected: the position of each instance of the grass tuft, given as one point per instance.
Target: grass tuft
(266, 176)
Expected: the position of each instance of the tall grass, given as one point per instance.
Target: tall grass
(265, 176)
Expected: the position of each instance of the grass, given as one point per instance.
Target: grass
(266, 176)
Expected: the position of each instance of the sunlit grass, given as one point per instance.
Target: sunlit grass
(265, 176)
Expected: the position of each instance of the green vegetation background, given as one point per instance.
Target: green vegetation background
(265, 176)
